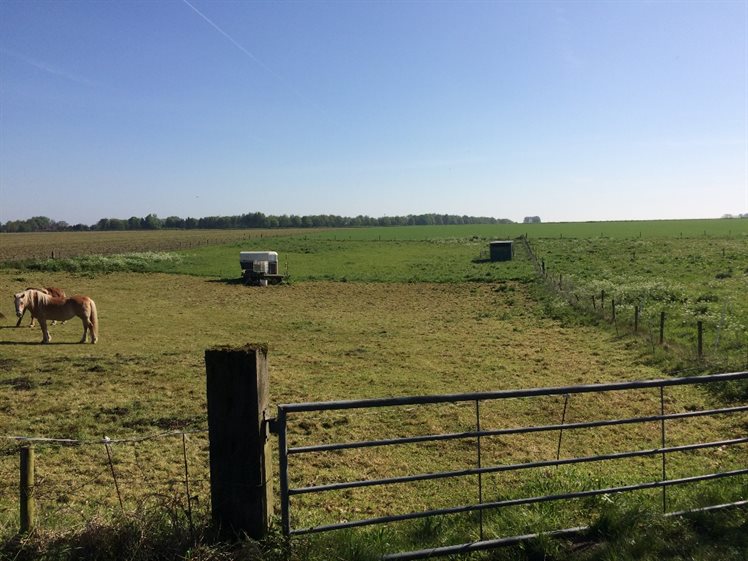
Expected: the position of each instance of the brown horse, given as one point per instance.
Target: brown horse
(44, 306)
(52, 291)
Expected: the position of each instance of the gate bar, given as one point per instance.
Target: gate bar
(504, 394)
(511, 467)
(280, 426)
(479, 545)
(662, 445)
(480, 465)
(519, 502)
(503, 542)
(502, 432)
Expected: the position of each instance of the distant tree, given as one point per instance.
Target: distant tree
(118, 224)
(253, 220)
(152, 222)
(173, 222)
(39, 224)
(531, 220)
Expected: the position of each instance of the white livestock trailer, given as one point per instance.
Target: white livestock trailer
(260, 267)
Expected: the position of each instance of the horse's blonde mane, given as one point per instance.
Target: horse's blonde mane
(37, 297)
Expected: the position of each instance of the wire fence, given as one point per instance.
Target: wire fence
(717, 341)
(77, 481)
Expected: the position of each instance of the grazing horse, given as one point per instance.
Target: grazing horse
(44, 306)
(52, 291)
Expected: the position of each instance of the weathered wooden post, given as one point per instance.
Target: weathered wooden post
(28, 503)
(240, 469)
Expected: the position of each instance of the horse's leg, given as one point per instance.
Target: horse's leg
(86, 327)
(45, 332)
(32, 320)
(91, 330)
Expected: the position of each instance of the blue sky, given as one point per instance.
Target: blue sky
(566, 110)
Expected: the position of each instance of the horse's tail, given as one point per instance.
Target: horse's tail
(94, 319)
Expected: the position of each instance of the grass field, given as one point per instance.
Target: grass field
(362, 317)
(41, 245)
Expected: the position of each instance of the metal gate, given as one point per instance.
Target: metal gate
(475, 437)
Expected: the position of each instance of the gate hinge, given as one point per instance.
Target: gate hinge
(271, 425)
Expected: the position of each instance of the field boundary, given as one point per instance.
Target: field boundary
(628, 317)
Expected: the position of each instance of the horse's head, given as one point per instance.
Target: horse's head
(21, 300)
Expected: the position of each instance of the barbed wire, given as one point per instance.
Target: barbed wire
(103, 480)
(99, 441)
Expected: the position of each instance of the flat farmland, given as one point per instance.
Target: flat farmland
(42, 245)
(361, 319)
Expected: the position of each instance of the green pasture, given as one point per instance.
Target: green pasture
(363, 317)
(674, 229)
(311, 258)
(699, 280)
(695, 278)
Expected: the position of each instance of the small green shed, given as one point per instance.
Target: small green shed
(501, 250)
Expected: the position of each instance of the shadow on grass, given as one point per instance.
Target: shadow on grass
(230, 281)
(52, 343)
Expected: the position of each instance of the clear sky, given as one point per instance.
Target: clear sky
(565, 110)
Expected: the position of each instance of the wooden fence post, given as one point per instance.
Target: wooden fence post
(240, 459)
(28, 503)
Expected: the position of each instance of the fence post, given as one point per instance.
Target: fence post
(662, 327)
(700, 337)
(240, 468)
(28, 503)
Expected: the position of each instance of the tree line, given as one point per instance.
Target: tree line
(244, 221)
